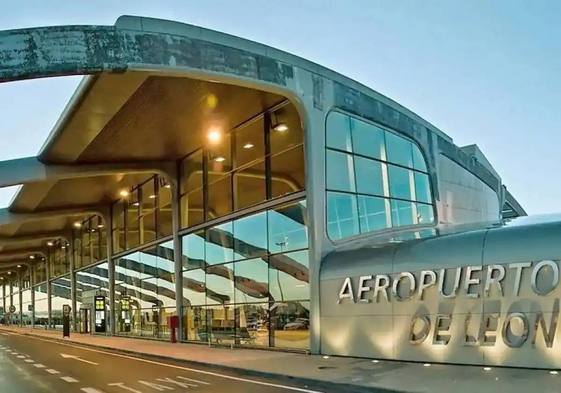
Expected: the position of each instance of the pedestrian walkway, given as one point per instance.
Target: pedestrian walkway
(375, 376)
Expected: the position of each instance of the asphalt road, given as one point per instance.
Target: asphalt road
(35, 365)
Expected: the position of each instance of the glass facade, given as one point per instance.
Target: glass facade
(375, 179)
(246, 281)
(261, 159)
(90, 241)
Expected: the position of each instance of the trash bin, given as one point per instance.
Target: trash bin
(173, 323)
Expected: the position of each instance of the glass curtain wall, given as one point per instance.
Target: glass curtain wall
(39, 272)
(60, 295)
(90, 282)
(90, 243)
(142, 215)
(261, 159)
(246, 282)
(375, 179)
(145, 291)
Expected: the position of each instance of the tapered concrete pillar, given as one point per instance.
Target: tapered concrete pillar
(177, 257)
(111, 272)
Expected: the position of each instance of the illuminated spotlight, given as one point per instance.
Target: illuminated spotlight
(50, 244)
(136, 204)
(19, 265)
(220, 159)
(426, 365)
(100, 226)
(167, 186)
(487, 368)
(248, 145)
(325, 357)
(214, 136)
(281, 127)
(63, 247)
(211, 101)
(77, 224)
(554, 372)
(32, 257)
(153, 196)
(124, 193)
(375, 361)
(9, 273)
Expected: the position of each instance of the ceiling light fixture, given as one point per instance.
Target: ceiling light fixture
(136, 204)
(32, 257)
(220, 159)
(100, 226)
(124, 193)
(77, 224)
(214, 136)
(153, 196)
(19, 265)
(9, 273)
(248, 145)
(50, 244)
(426, 365)
(167, 186)
(281, 127)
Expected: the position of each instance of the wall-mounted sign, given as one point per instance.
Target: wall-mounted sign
(12, 309)
(125, 314)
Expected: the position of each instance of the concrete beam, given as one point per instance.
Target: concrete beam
(39, 236)
(8, 217)
(19, 255)
(31, 170)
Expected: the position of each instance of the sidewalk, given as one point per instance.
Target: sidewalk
(362, 374)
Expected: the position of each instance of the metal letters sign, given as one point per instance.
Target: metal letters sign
(473, 282)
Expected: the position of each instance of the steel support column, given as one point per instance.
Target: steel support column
(4, 298)
(20, 297)
(111, 271)
(177, 257)
(48, 271)
(73, 283)
(31, 287)
(11, 299)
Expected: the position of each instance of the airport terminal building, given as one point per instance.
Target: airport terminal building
(267, 202)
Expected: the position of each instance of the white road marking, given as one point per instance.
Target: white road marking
(39, 365)
(156, 386)
(51, 371)
(69, 379)
(123, 386)
(65, 356)
(90, 390)
(29, 361)
(180, 384)
(21, 357)
(194, 380)
(194, 370)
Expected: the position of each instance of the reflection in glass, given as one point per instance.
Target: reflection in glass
(251, 281)
(249, 186)
(250, 236)
(402, 213)
(194, 250)
(219, 246)
(400, 182)
(399, 150)
(422, 188)
(288, 229)
(252, 325)
(287, 172)
(290, 323)
(220, 284)
(338, 131)
(196, 326)
(368, 176)
(368, 140)
(194, 292)
(289, 276)
(220, 197)
(425, 213)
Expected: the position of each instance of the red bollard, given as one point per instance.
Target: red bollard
(173, 323)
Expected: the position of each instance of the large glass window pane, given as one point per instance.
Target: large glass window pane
(340, 171)
(253, 324)
(148, 200)
(422, 188)
(290, 323)
(287, 172)
(219, 159)
(399, 150)
(221, 324)
(251, 281)
(369, 178)
(133, 233)
(286, 130)
(164, 208)
(194, 250)
(192, 190)
(368, 140)
(194, 287)
(249, 186)
(220, 197)
(372, 213)
(118, 227)
(338, 135)
(400, 182)
(425, 213)
(196, 326)
(250, 142)
(219, 247)
(191, 172)
(402, 213)
(192, 208)
(289, 276)
(250, 236)
(288, 229)
(220, 284)
(418, 159)
(342, 215)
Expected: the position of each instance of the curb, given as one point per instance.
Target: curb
(307, 382)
